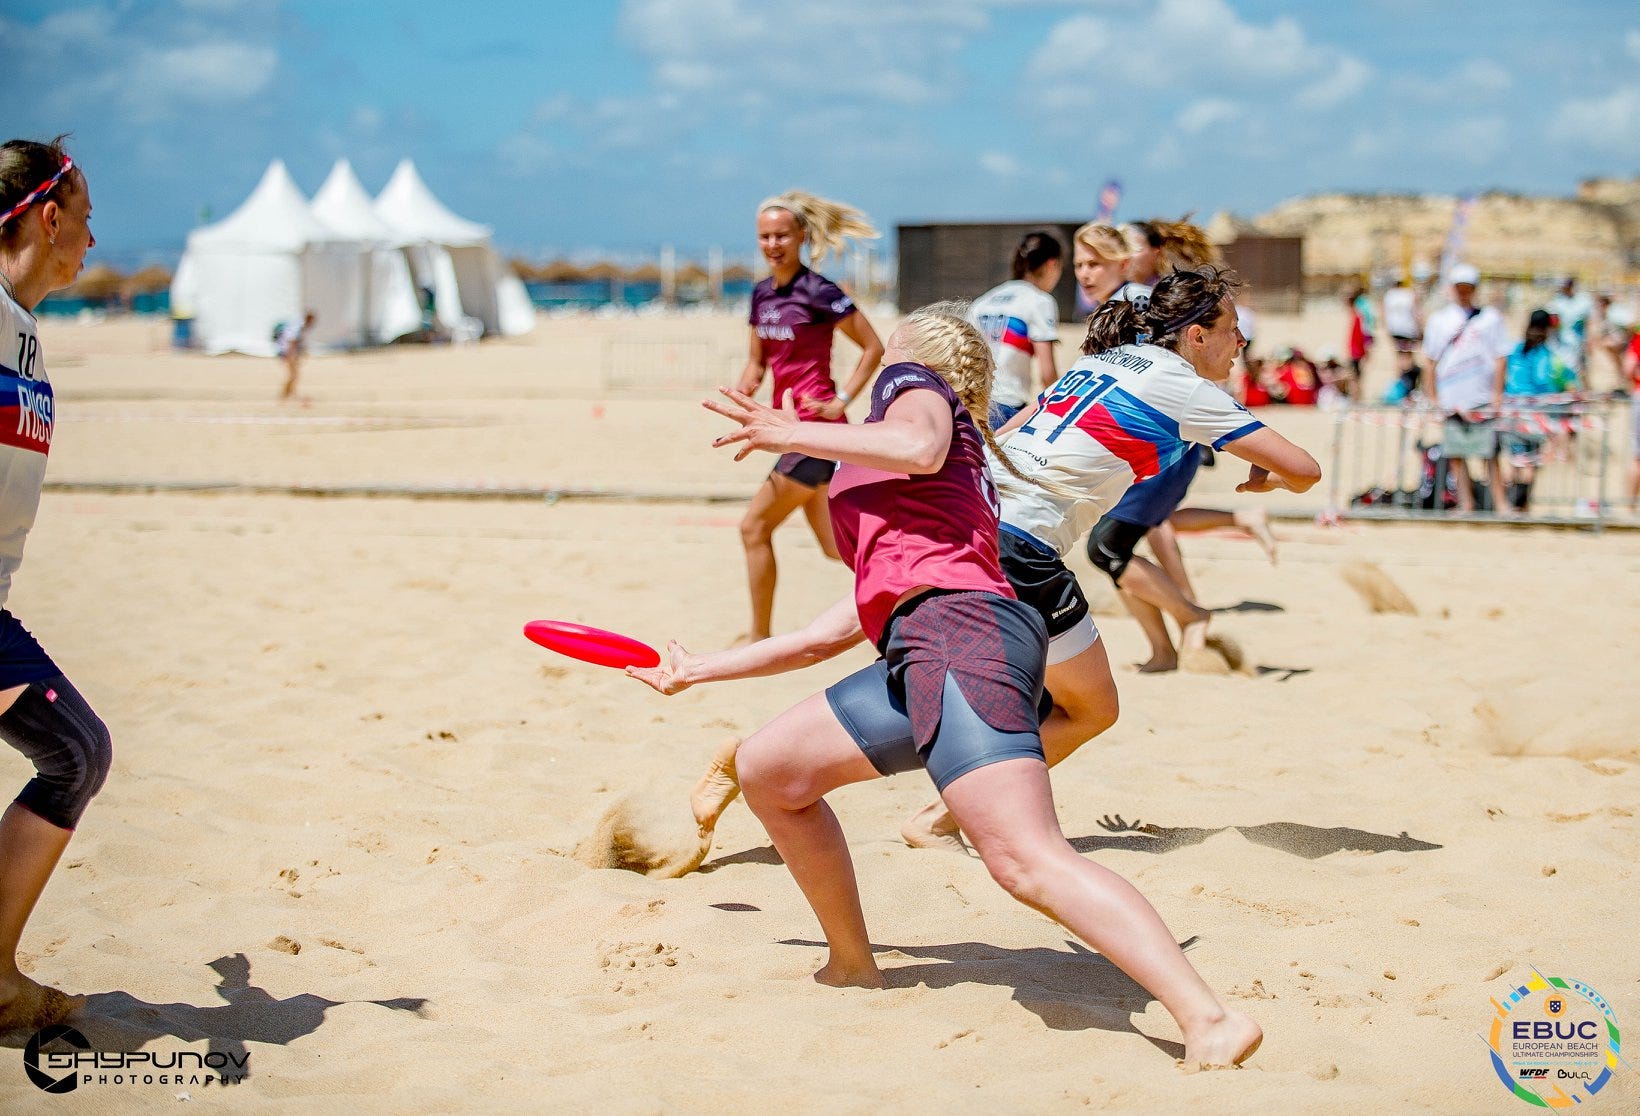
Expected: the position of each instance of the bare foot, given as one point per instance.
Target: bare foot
(1225, 1042)
(717, 788)
(745, 638)
(1158, 664)
(30, 1006)
(933, 827)
(1256, 522)
(1193, 637)
(835, 975)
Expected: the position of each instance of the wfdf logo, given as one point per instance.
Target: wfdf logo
(1575, 1047)
(42, 1038)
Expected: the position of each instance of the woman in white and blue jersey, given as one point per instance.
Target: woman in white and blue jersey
(1142, 397)
(45, 211)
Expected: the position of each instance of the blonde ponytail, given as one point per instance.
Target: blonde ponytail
(942, 339)
(828, 225)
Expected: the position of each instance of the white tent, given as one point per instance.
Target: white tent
(454, 258)
(390, 306)
(265, 263)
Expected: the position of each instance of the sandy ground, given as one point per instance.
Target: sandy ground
(336, 836)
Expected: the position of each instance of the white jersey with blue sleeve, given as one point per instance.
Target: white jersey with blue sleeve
(1013, 318)
(27, 418)
(1112, 420)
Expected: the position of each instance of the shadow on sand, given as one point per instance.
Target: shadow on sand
(1070, 989)
(1307, 841)
(1250, 606)
(120, 1022)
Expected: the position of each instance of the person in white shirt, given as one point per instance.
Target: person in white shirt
(1469, 346)
(292, 342)
(1404, 318)
(1020, 321)
(1572, 310)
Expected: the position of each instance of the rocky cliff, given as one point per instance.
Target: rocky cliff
(1595, 235)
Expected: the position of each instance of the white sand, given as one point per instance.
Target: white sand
(331, 734)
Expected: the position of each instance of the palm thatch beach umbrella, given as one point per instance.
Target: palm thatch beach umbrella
(97, 283)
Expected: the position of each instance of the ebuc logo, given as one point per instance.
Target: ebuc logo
(1554, 1041)
(59, 1059)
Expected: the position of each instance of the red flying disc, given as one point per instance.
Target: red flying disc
(591, 645)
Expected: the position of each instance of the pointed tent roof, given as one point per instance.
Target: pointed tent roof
(275, 218)
(342, 204)
(411, 210)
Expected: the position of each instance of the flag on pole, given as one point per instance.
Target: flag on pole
(1453, 251)
(1109, 198)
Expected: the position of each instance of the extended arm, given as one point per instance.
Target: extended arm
(913, 437)
(1046, 369)
(751, 376)
(857, 329)
(826, 636)
(1276, 463)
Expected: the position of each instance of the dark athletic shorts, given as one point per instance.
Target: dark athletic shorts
(1042, 581)
(959, 687)
(1111, 543)
(810, 472)
(22, 659)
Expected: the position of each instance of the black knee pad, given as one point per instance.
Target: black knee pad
(1111, 543)
(67, 742)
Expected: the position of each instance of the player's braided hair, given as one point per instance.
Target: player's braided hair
(943, 340)
(828, 225)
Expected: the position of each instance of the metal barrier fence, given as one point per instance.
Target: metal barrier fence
(1387, 461)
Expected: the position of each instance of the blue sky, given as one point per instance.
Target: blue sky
(623, 126)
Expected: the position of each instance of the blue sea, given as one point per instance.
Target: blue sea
(589, 294)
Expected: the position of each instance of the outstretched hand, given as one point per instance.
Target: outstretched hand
(761, 428)
(1258, 480)
(827, 410)
(671, 677)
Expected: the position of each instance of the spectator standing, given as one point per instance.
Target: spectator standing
(1404, 319)
(1572, 310)
(1468, 345)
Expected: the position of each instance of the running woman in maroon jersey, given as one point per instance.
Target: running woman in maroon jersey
(962, 661)
(794, 314)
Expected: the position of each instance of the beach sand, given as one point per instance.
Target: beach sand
(337, 838)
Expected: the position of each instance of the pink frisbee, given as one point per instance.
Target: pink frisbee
(592, 645)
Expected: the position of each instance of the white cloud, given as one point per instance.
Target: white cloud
(1092, 64)
(1609, 123)
(1210, 112)
(999, 163)
(901, 52)
(1349, 77)
(1631, 43)
(204, 71)
(1484, 77)
(144, 66)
